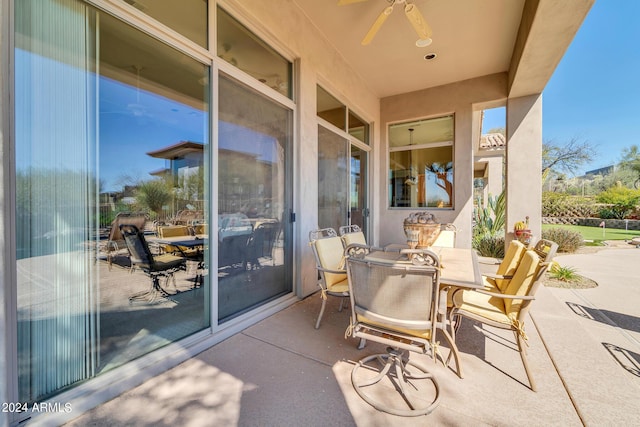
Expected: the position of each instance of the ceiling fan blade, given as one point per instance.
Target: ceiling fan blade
(417, 21)
(376, 25)
(346, 2)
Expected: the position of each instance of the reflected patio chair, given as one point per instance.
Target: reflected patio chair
(399, 306)
(352, 234)
(194, 254)
(115, 243)
(328, 251)
(154, 266)
(505, 309)
(262, 242)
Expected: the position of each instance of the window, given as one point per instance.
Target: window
(244, 50)
(188, 17)
(342, 164)
(421, 163)
(335, 112)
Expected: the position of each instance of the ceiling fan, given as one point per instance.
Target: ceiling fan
(411, 12)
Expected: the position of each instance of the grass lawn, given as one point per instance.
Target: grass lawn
(596, 233)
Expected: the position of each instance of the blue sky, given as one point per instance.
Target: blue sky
(594, 93)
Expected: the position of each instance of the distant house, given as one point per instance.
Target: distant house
(600, 171)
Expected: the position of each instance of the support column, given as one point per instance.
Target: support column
(524, 164)
(494, 176)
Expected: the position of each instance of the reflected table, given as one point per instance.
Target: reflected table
(191, 248)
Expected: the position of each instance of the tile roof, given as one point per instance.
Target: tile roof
(493, 141)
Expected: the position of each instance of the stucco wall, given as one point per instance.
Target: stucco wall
(458, 98)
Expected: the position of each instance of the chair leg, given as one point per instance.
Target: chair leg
(404, 381)
(341, 304)
(453, 351)
(324, 303)
(523, 356)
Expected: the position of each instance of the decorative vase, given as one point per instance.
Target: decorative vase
(423, 228)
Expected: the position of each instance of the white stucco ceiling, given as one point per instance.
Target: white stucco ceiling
(471, 38)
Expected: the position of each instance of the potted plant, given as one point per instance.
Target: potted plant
(521, 230)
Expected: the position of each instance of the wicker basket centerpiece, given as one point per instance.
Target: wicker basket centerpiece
(421, 229)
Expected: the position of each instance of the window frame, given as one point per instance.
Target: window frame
(414, 147)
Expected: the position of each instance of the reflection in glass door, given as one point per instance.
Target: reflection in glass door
(254, 261)
(333, 179)
(112, 129)
(358, 212)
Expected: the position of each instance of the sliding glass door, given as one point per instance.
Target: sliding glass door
(333, 179)
(254, 199)
(110, 125)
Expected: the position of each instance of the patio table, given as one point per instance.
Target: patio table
(459, 266)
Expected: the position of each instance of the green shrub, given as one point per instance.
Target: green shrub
(565, 274)
(567, 240)
(610, 212)
(489, 245)
(490, 219)
(623, 199)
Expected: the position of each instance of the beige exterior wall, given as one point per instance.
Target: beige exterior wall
(458, 98)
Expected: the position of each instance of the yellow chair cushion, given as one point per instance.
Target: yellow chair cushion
(522, 281)
(490, 284)
(509, 264)
(483, 305)
(339, 287)
(424, 334)
(330, 252)
(357, 237)
(173, 231)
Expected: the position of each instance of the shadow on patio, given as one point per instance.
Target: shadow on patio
(282, 371)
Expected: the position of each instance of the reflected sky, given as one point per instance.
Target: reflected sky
(130, 123)
(133, 122)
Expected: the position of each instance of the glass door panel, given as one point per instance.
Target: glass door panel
(112, 127)
(358, 213)
(333, 179)
(254, 259)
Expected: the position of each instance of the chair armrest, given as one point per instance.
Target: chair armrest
(327, 270)
(498, 276)
(504, 296)
(395, 247)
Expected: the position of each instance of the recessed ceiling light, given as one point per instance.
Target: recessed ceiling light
(430, 56)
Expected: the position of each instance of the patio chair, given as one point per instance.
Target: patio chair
(399, 306)
(332, 277)
(506, 309)
(447, 236)
(115, 243)
(499, 272)
(546, 249)
(154, 266)
(352, 234)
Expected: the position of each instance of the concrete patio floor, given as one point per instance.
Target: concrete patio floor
(584, 353)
